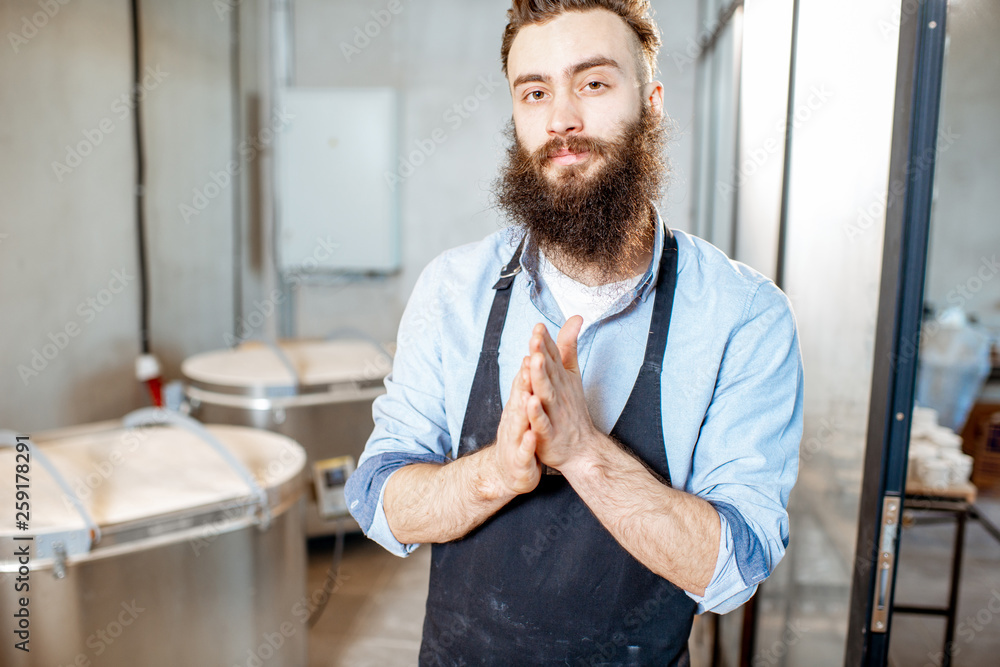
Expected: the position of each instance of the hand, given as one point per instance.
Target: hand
(520, 471)
(557, 409)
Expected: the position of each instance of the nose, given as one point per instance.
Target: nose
(565, 118)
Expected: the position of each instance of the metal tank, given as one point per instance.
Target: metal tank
(317, 392)
(157, 546)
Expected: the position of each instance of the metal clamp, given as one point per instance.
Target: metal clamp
(158, 417)
(284, 359)
(62, 544)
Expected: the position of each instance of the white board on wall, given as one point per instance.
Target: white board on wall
(336, 212)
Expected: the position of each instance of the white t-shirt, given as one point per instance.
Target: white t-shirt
(575, 298)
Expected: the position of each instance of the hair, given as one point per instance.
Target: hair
(636, 13)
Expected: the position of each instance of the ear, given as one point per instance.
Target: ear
(652, 94)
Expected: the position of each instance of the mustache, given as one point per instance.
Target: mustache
(574, 144)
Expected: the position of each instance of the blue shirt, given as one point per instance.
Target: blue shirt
(731, 388)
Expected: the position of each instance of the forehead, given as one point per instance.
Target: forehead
(571, 38)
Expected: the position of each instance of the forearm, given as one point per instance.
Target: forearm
(673, 533)
(426, 503)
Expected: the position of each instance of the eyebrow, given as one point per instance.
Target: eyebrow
(571, 71)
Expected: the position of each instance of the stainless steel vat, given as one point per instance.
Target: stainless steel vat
(175, 554)
(317, 392)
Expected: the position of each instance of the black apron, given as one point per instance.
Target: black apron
(542, 582)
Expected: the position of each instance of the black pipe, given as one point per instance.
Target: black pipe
(140, 181)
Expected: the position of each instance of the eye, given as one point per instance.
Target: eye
(536, 95)
(596, 85)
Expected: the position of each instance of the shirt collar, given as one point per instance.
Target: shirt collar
(646, 284)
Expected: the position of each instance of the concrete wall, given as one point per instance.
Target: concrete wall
(65, 232)
(965, 236)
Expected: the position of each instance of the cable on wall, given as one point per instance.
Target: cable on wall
(147, 367)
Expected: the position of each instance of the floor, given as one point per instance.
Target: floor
(925, 566)
(375, 614)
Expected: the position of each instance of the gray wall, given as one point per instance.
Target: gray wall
(966, 218)
(60, 241)
(64, 239)
(436, 54)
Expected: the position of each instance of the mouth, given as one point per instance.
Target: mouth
(566, 157)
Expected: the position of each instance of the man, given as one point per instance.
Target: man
(622, 483)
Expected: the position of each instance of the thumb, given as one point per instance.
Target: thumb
(566, 342)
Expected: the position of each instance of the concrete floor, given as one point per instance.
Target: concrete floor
(375, 615)
(924, 571)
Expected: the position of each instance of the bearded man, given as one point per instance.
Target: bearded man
(621, 484)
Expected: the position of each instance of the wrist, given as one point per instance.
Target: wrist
(489, 477)
(591, 458)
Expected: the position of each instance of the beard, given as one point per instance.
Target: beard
(598, 223)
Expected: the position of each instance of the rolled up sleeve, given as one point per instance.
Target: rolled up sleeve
(746, 459)
(410, 422)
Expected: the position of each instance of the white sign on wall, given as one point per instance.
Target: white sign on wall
(335, 211)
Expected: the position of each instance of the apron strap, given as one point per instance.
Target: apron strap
(485, 394)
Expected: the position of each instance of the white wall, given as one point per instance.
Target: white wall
(840, 163)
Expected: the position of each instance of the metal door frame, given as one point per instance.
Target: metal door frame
(911, 178)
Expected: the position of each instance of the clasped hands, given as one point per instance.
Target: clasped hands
(546, 420)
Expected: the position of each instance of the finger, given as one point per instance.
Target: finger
(567, 343)
(542, 342)
(520, 387)
(526, 450)
(541, 380)
(525, 374)
(538, 419)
